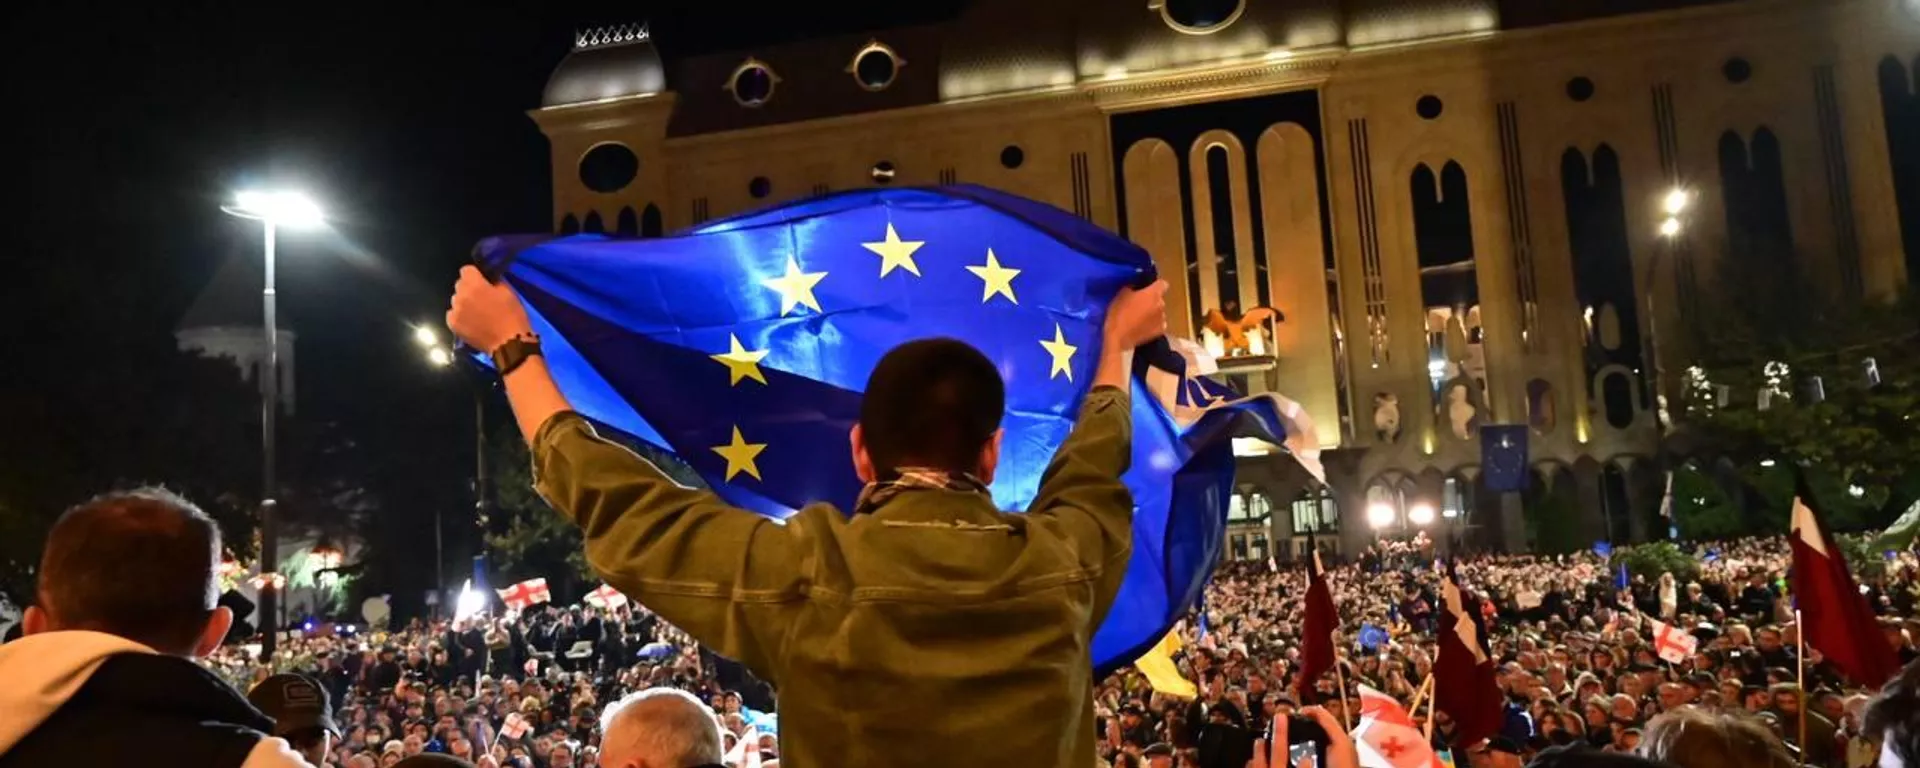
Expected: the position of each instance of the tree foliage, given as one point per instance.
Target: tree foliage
(1767, 331)
(534, 540)
(1652, 559)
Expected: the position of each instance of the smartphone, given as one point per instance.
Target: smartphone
(1305, 753)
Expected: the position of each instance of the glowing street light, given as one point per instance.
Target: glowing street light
(282, 208)
(1420, 514)
(1379, 515)
(294, 210)
(1676, 201)
(1670, 227)
(425, 336)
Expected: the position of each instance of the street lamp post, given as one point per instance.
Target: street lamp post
(272, 210)
(1674, 203)
(441, 355)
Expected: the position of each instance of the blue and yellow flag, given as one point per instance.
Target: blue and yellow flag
(742, 345)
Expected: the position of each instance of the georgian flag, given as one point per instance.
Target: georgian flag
(606, 597)
(1672, 644)
(525, 594)
(1386, 737)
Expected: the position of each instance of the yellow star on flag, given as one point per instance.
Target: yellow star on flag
(895, 252)
(998, 279)
(795, 287)
(1062, 353)
(740, 362)
(740, 455)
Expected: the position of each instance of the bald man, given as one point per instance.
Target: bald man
(659, 728)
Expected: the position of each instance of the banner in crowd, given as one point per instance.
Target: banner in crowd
(606, 597)
(525, 594)
(1672, 644)
(742, 346)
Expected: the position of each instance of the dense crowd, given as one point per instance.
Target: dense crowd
(523, 689)
(1575, 653)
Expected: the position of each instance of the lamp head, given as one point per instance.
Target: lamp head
(281, 209)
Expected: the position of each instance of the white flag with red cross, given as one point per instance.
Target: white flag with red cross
(1386, 736)
(1672, 644)
(606, 597)
(525, 594)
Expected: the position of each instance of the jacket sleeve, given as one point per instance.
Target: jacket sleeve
(728, 577)
(1082, 498)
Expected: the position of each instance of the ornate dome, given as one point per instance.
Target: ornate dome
(606, 63)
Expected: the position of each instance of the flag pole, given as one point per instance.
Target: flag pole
(1800, 677)
(1340, 679)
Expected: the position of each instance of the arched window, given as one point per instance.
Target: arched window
(1315, 512)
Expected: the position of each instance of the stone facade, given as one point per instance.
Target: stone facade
(1456, 204)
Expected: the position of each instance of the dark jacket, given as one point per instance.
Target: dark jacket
(148, 710)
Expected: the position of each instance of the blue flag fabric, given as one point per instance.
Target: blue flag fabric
(742, 346)
(1603, 548)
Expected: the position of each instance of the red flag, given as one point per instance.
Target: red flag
(1386, 737)
(1316, 656)
(1834, 616)
(1463, 675)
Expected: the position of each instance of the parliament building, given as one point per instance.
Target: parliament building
(1470, 217)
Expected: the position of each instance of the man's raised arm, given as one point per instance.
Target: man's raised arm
(725, 575)
(1081, 493)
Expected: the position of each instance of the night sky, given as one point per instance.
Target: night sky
(406, 121)
(410, 128)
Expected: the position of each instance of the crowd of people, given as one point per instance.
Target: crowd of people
(521, 689)
(1576, 656)
(1577, 660)
(926, 626)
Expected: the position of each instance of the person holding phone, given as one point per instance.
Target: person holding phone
(1278, 751)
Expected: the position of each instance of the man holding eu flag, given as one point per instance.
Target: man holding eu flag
(927, 628)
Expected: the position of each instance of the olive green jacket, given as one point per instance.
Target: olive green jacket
(936, 631)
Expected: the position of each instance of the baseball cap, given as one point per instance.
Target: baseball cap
(295, 702)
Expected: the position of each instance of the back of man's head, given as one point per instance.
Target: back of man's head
(140, 564)
(660, 726)
(932, 403)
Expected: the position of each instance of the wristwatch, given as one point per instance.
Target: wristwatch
(515, 352)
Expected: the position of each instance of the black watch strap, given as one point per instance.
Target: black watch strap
(515, 353)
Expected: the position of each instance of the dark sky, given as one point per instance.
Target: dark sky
(406, 120)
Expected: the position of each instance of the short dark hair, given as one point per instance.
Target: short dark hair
(139, 564)
(1893, 717)
(931, 403)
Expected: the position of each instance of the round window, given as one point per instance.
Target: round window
(752, 83)
(1580, 89)
(1428, 107)
(875, 66)
(883, 172)
(1012, 157)
(759, 187)
(1736, 70)
(608, 168)
(1199, 17)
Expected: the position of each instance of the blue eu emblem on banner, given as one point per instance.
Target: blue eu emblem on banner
(1503, 457)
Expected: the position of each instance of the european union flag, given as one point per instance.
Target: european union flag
(742, 345)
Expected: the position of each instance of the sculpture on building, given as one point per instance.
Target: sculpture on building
(1386, 416)
(1241, 333)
